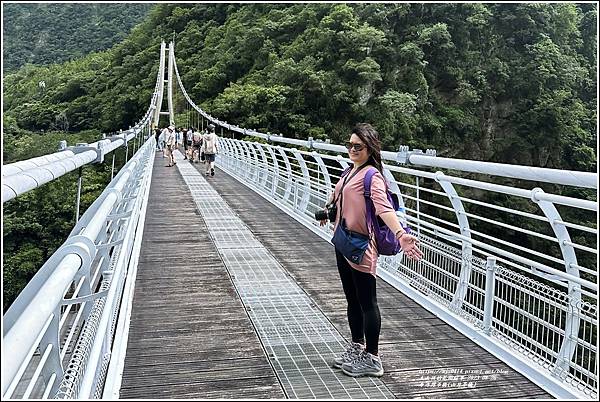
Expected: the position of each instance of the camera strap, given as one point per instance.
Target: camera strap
(341, 194)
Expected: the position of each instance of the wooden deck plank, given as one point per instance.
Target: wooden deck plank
(239, 388)
(412, 338)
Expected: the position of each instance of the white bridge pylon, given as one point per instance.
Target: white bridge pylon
(161, 84)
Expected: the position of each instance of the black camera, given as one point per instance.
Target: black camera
(330, 212)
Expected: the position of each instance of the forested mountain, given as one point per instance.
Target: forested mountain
(510, 83)
(48, 33)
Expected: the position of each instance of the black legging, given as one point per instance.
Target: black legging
(363, 311)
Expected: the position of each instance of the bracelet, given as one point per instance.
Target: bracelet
(401, 234)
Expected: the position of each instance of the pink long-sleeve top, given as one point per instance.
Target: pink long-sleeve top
(355, 212)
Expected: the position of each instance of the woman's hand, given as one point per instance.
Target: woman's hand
(409, 246)
(323, 222)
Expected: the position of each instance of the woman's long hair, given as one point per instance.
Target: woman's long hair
(370, 137)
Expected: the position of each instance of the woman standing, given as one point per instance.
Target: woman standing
(361, 358)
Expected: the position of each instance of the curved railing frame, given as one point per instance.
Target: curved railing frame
(465, 280)
(32, 321)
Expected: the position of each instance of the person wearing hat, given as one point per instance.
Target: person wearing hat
(210, 148)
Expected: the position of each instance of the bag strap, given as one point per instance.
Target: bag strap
(368, 201)
(346, 171)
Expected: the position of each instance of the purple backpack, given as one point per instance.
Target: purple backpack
(385, 239)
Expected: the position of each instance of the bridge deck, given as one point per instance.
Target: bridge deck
(191, 336)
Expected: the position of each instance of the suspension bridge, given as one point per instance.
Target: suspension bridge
(174, 284)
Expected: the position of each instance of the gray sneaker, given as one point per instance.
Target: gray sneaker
(363, 365)
(352, 352)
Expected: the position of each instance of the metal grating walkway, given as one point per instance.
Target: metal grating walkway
(298, 339)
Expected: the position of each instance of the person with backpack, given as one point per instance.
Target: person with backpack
(210, 148)
(197, 144)
(189, 135)
(358, 240)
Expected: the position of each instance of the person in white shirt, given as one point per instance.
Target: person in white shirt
(161, 139)
(210, 148)
(170, 141)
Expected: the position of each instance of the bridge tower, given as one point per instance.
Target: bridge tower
(163, 81)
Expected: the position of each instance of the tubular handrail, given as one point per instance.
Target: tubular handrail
(557, 176)
(38, 302)
(22, 176)
(17, 167)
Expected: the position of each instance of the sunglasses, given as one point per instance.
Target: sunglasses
(356, 147)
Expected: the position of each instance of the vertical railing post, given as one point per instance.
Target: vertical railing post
(230, 153)
(275, 181)
(264, 177)
(572, 322)
(112, 170)
(488, 307)
(126, 148)
(248, 171)
(289, 175)
(328, 187)
(295, 194)
(240, 159)
(253, 162)
(78, 195)
(417, 179)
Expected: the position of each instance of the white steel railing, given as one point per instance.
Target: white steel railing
(58, 332)
(523, 295)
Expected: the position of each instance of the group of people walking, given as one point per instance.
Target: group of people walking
(197, 146)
